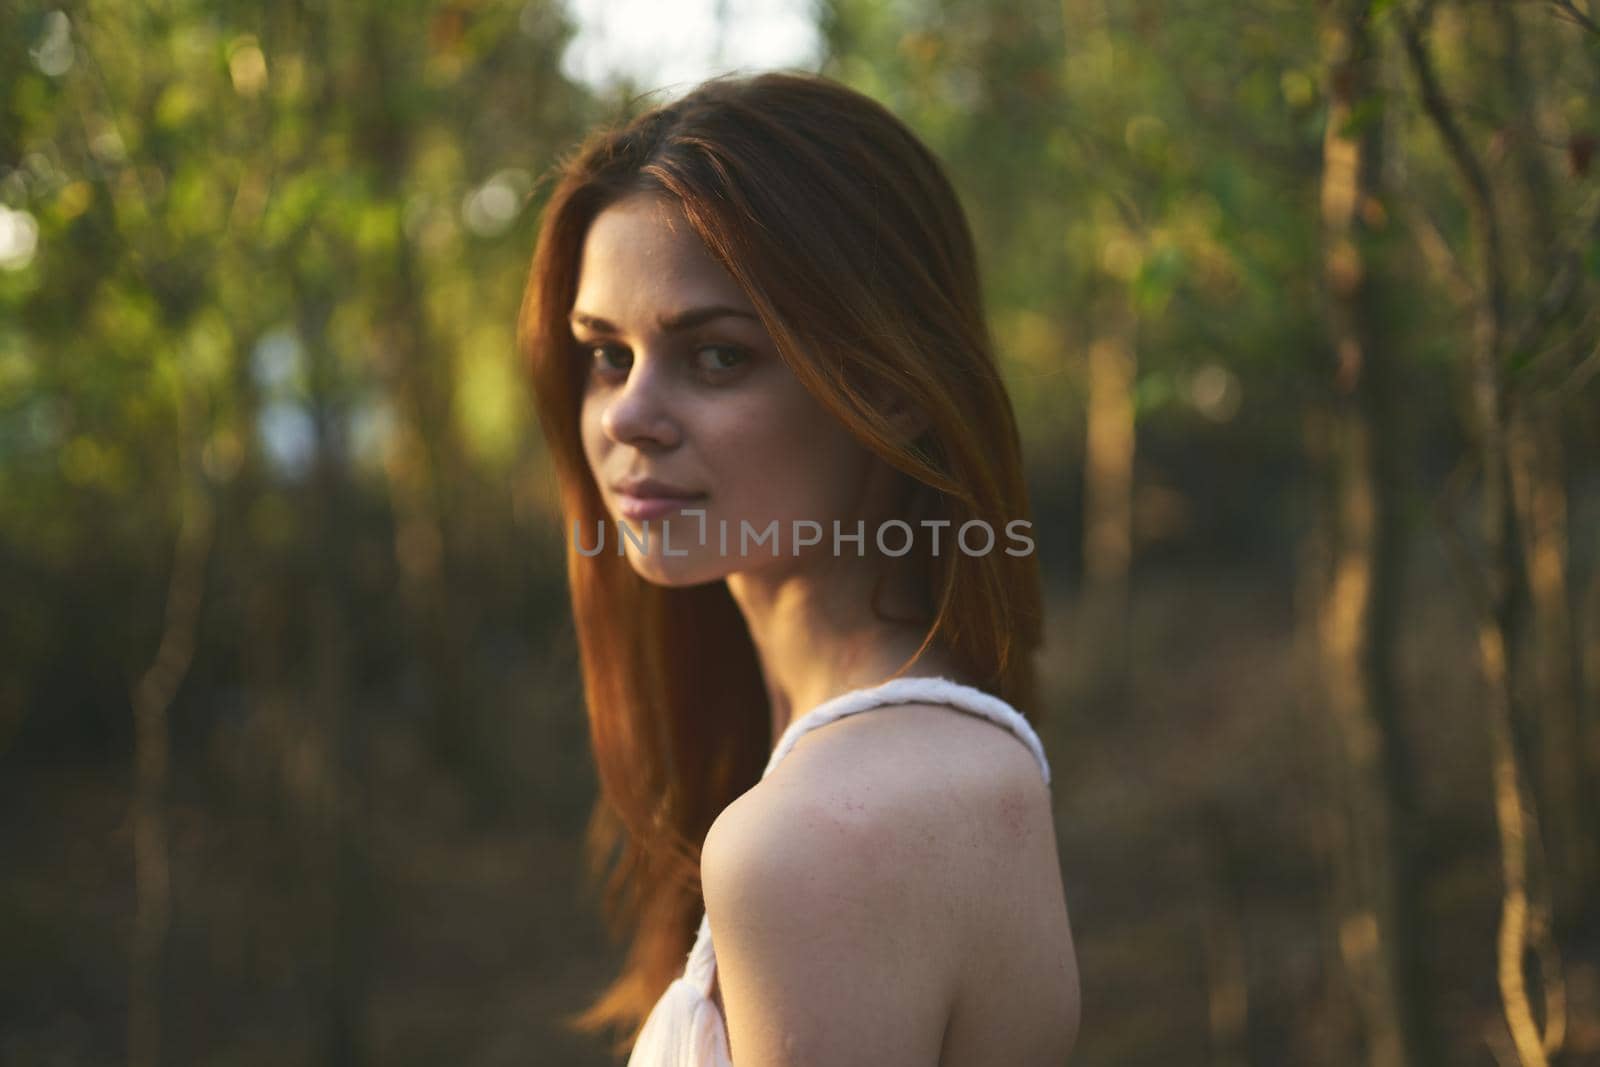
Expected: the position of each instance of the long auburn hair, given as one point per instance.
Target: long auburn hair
(844, 232)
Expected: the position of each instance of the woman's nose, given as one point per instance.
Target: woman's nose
(640, 412)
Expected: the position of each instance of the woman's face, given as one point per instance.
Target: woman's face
(684, 386)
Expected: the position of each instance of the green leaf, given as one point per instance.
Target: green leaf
(1368, 111)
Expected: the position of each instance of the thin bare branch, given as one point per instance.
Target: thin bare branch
(1567, 11)
(1466, 161)
(1581, 375)
(1445, 507)
(1446, 263)
(1564, 284)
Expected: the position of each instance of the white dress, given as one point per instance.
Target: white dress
(685, 1029)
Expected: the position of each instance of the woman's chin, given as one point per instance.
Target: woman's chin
(672, 573)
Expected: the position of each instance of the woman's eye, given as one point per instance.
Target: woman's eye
(615, 361)
(608, 358)
(714, 359)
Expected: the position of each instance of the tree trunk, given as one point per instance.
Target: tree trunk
(1110, 441)
(152, 697)
(428, 481)
(1539, 487)
(338, 829)
(1501, 597)
(1108, 512)
(1376, 877)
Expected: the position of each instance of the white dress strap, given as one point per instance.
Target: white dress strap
(913, 691)
(685, 1028)
(702, 963)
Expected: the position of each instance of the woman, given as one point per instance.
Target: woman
(760, 358)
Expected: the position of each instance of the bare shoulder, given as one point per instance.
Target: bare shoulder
(932, 788)
(925, 767)
(829, 949)
(852, 891)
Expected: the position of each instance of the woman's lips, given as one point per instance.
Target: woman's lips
(651, 507)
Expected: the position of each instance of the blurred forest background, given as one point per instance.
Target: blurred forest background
(1300, 305)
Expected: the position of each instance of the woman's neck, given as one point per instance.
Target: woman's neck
(817, 637)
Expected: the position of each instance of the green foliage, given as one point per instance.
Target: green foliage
(1364, 114)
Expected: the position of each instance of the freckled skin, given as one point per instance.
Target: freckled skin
(1014, 814)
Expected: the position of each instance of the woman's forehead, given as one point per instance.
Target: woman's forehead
(642, 248)
(643, 214)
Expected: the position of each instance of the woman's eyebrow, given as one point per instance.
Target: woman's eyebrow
(673, 323)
